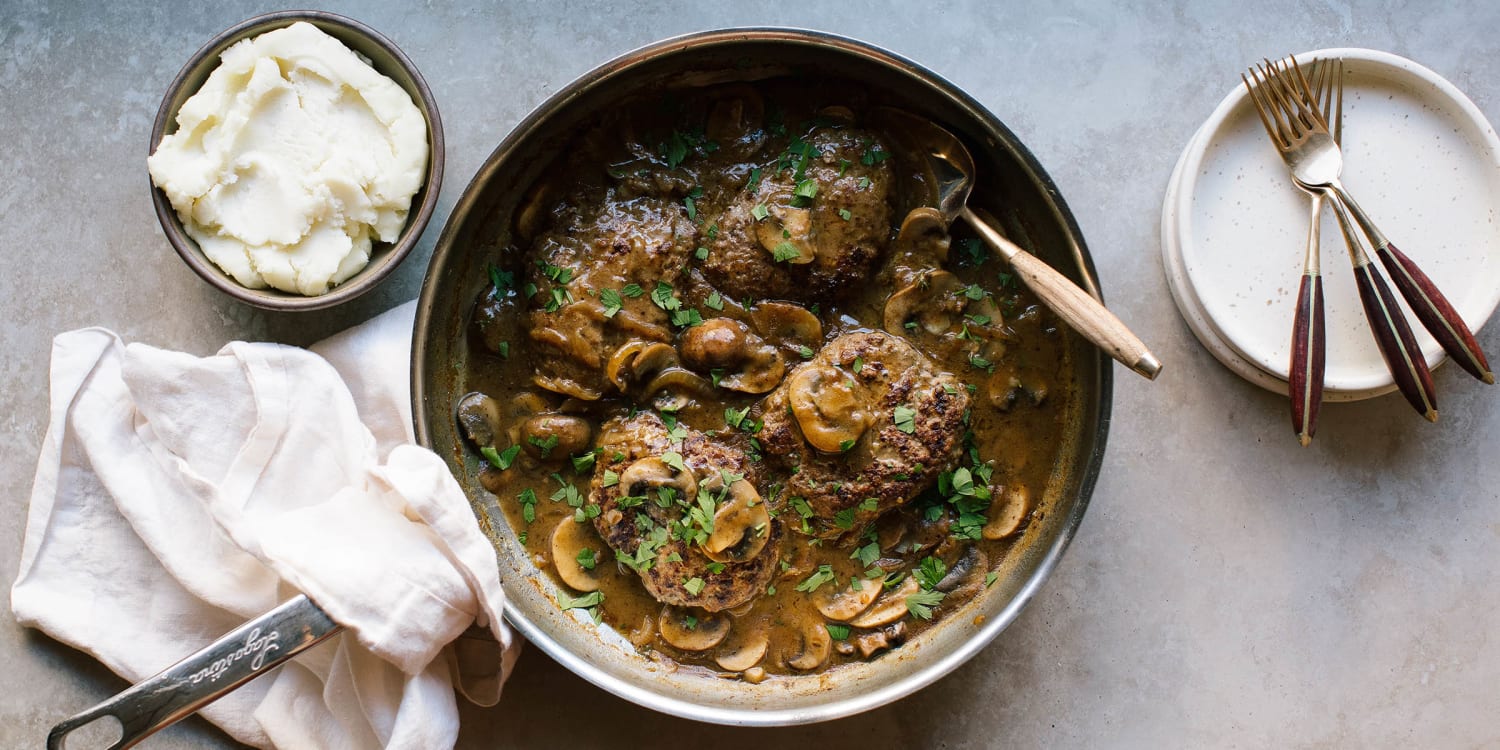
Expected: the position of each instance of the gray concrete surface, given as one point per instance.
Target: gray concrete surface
(1228, 589)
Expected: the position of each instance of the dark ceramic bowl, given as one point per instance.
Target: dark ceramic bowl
(389, 61)
(1011, 186)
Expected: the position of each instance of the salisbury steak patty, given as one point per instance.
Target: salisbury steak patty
(828, 242)
(868, 418)
(678, 510)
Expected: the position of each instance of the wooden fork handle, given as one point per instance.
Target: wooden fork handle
(1305, 378)
(1397, 345)
(1435, 312)
(1074, 306)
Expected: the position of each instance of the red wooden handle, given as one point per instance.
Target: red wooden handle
(1397, 345)
(1308, 345)
(1435, 312)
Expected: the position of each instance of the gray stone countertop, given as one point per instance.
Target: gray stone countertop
(1227, 587)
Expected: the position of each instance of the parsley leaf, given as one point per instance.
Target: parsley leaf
(838, 632)
(610, 478)
(822, 575)
(674, 460)
(846, 214)
(844, 519)
(785, 251)
(990, 578)
(930, 572)
(632, 290)
(587, 558)
(906, 419)
(665, 297)
(760, 211)
(715, 301)
(591, 599)
(921, 603)
(544, 445)
(804, 193)
(754, 180)
(612, 302)
(500, 459)
(693, 585)
(501, 280)
(805, 351)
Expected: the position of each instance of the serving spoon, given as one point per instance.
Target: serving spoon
(952, 169)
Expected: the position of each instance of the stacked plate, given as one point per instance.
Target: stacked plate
(1419, 156)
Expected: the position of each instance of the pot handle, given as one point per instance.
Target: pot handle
(177, 691)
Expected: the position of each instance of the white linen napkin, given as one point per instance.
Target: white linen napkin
(177, 496)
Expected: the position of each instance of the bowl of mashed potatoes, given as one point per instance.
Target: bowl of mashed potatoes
(296, 160)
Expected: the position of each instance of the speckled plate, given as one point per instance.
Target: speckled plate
(1421, 159)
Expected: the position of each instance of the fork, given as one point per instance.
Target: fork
(1305, 372)
(1301, 132)
(1287, 109)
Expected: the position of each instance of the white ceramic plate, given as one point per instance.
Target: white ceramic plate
(1423, 162)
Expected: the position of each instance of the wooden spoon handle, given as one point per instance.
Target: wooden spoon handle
(1305, 378)
(1081, 312)
(1435, 312)
(1397, 345)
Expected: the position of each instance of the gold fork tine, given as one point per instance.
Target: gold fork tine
(1273, 105)
(1338, 116)
(1261, 108)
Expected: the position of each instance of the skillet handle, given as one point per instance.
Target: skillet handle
(177, 691)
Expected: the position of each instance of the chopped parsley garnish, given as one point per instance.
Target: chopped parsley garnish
(873, 156)
(689, 202)
(611, 478)
(701, 253)
(804, 193)
(845, 214)
(844, 519)
(869, 505)
(844, 166)
(981, 363)
(754, 180)
(504, 349)
(544, 445)
(588, 601)
(584, 462)
(906, 419)
(785, 251)
(715, 567)
(990, 578)
(975, 292)
(612, 302)
(501, 280)
(838, 632)
(715, 301)
(859, 364)
(921, 603)
(632, 290)
(587, 558)
(527, 498)
(693, 585)
(675, 150)
(558, 274)
(864, 183)
(674, 460)
(867, 555)
(1007, 279)
(822, 575)
(805, 351)
(845, 445)
(665, 297)
(687, 317)
(760, 211)
(930, 572)
(736, 417)
(973, 248)
(500, 459)
(559, 297)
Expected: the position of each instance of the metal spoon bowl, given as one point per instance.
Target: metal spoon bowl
(945, 160)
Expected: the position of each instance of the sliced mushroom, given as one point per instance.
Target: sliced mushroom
(925, 231)
(787, 325)
(788, 227)
(754, 675)
(939, 305)
(813, 651)
(1007, 512)
(555, 436)
(890, 608)
(567, 387)
(970, 564)
(743, 651)
(569, 540)
(692, 629)
(479, 416)
(647, 475)
(890, 637)
(637, 362)
(828, 406)
(844, 604)
(674, 388)
(749, 364)
(741, 524)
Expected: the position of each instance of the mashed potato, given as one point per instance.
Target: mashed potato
(291, 159)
